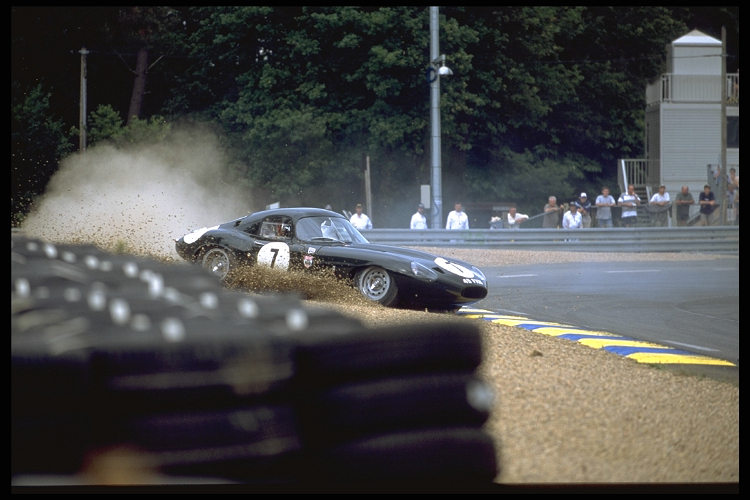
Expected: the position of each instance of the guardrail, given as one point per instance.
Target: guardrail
(647, 239)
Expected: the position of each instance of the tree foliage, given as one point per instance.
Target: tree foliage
(38, 141)
(543, 99)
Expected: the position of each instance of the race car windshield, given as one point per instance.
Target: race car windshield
(321, 229)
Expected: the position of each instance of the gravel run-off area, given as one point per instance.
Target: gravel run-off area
(568, 414)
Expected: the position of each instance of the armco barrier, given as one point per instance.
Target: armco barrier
(647, 239)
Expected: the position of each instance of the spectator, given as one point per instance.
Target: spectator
(707, 201)
(418, 220)
(457, 218)
(733, 205)
(552, 213)
(572, 218)
(683, 200)
(585, 209)
(733, 178)
(515, 219)
(659, 207)
(629, 202)
(604, 203)
(359, 220)
(496, 222)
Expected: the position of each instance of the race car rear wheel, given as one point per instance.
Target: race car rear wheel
(218, 262)
(377, 284)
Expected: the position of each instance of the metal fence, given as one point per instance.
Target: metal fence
(647, 239)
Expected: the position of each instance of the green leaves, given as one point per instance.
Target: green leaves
(38, 142)
(543, 99)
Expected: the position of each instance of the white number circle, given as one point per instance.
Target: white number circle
(454, 268)
(274, 255)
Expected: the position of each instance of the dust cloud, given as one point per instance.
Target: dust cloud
(139, 199)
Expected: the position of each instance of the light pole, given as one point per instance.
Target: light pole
(83, 111)
(434, 78)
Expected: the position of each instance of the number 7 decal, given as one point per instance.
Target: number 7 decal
(274, 255)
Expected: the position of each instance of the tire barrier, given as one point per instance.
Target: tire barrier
(113, 352)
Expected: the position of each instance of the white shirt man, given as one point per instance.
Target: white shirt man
(515, 219)
(457, 218)
(661, 197)
(659, 205)
(572, 219)
(359, 220)
(418, 220)
(629, 202)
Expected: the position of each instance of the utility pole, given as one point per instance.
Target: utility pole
(82, 117)
(368, 187)
(435, 149)
(723, 169)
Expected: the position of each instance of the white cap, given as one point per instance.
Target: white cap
(583, 195)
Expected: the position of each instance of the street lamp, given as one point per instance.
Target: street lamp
(434, 78)
(82, 113)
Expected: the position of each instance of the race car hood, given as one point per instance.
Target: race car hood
(397, 258)
(408, 253)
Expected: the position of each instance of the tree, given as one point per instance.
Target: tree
(140, 27)
(542, 98)
(103, 123)
(562, 95)
(38, 141)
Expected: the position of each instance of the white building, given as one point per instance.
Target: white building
(683, 118)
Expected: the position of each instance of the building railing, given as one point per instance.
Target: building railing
(643, 174)
(693, 88)
(733, 88)
(646, 239)
(639, 172)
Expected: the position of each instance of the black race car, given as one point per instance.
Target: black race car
(313, 239)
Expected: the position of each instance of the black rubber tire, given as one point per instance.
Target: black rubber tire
(445, 456)
(377, 285)
(394, 404)
(447, 346)
(241, 443)
(220, 262)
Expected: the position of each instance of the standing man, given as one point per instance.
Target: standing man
(551, 213)
(629, 202)
(515, 219)
(733, 179)
(683, 200)
(707, 201)
(733, 205)
(418, 220)
(572, 219)
(604, 204)
(659, 205)
(359, 220)
(585, 209)
(457, 218)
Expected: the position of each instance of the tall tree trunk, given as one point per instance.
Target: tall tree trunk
(139, 85)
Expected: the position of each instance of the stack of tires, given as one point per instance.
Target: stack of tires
(195, 382)
(399, 405)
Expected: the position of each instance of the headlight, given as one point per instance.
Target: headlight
(423, 272)
(479, 273)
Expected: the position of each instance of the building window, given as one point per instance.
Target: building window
(733, 131)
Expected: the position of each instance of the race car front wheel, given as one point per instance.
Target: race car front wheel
(377, 284)
(218, 262)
